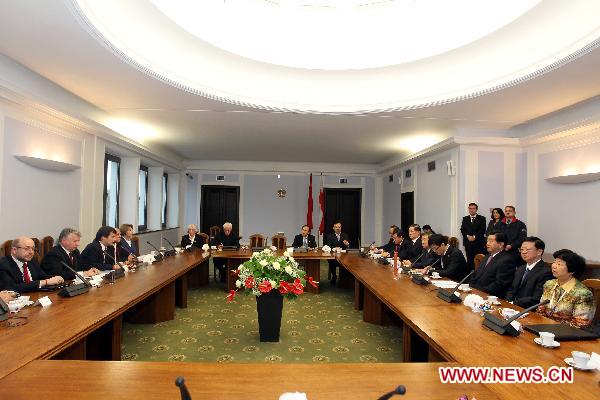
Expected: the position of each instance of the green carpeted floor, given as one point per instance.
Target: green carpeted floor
(315, 328)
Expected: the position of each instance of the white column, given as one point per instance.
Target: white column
(92, 187)
(182, 202)
(128, 191)
(173, 200)
(455, 208)
(155, 175)
(378, 208)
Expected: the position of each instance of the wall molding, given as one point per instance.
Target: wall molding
(282, 167)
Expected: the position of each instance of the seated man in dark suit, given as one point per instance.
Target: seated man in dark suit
(20, 272)
(336, 239)
(305, 239)
(67, 252)
(192, 239)
(497, 270)
(452, 263)
(426, 258)
(528, 285)
(398, 244)
(93, 256)
(413, 246)
(225, 238)
(389, 246)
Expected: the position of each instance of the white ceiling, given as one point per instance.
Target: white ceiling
(48, 39)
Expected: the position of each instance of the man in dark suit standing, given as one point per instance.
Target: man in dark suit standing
(20, 272)
(305, 239)
(191, 239)
(473, 231)
(515, 230)
(93, 256)
(225, 238)
(67, 252)
(452, 263)
(497, 269)
(528, 285)
(336, 239)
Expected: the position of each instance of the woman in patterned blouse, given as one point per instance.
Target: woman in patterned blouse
(570, 300)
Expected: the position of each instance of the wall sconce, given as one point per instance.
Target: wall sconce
(575, 178)
(49, 165)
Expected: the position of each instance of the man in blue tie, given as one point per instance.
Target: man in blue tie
(305, 239)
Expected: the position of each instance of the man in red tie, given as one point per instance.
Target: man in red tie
(66, 251)
(20, 272)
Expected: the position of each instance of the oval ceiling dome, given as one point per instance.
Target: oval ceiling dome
(342, 56)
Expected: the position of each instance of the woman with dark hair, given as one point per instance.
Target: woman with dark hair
(495, 224)
(570, 300)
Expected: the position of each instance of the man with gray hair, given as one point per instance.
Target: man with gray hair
(66, 250)
(192, 239)
(225, 238)
(20, 272)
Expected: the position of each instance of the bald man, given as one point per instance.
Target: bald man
(20, 272)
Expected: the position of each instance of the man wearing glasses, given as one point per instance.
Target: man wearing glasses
(528, 285)
(20, 272)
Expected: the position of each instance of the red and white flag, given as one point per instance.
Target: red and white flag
(309, 212)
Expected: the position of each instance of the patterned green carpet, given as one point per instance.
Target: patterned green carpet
(315, 328)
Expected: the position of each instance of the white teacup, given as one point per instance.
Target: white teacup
(435, 275)
(464, 287)
(580, 359)
(338, 249)
(547, 338)
(492, 299)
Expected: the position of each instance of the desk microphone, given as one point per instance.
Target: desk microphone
(112, 258)
(159, 256)
(420, 255)
(135, 259)
(75, 290)
(401, 390)
(85, 282)
(180, 383)
(170, 252)
(503, 326)
(450, 297)
(117, 273)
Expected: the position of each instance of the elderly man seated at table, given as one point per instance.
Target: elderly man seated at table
(570, 300)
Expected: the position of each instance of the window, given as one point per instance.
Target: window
(143, 199)
(110, 215)
(165, 182)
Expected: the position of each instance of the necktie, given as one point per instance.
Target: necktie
(305, 242)
(71, 258)
(508, 221)
(26, 276)
(524, 275)
(338, 237)
(487, 262)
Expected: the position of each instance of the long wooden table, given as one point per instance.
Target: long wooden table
(89, 326)
(454, 333)
(53, 380)
(310, 259)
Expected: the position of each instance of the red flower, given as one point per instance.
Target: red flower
(312, 281)
(284, 287)
(297, 288)
(230, 296)
(249, 282)
(265, 286)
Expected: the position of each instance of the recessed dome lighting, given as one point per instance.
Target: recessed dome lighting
(343, 34)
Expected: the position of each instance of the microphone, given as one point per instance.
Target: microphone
(118, 273)
(401, 390)
(180, 383)
(74, 290)
(450, 297)
(112, 258)
(170, 252)
(503, 326)
(159, 256)
(135, 259)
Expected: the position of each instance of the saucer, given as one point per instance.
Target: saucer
(554, 345)
(569, 361)
(465, 290)
(495, 303)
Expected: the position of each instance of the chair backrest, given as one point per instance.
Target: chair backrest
(38, 250)
(47, 244)
(6, 247)
(213, 230)
(136, 242)
(453, 241)
(477, 260)
(279, 241)
(204, 237)
(257, 240)
(594, 286)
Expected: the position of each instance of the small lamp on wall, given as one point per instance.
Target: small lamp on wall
(47, 164)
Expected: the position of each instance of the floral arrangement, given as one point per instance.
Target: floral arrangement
(267, 271)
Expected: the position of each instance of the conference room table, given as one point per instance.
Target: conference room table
(310, 259)
(88, 326)
(451, 332)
